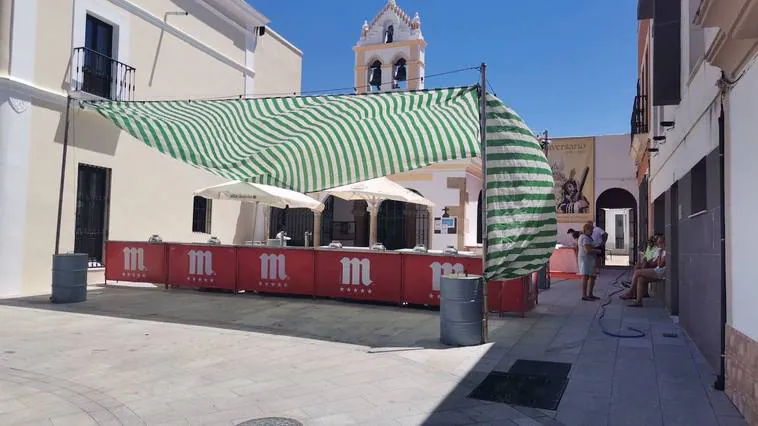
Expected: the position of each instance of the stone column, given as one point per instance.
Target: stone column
(316, 229)
(5, 36)
(373, 211)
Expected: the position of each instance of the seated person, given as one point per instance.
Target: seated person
(648, 260)
(643, 276)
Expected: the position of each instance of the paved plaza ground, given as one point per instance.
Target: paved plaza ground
(133, 356)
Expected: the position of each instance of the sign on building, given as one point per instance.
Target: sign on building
(573, 164)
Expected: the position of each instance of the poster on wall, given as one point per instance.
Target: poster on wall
(446, 225)
(573, 164)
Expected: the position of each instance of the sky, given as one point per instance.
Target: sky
(566, 66)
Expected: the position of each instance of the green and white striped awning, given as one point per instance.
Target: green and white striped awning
(309, 144)
(521, 222)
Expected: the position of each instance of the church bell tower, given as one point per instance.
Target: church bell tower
(390, 53)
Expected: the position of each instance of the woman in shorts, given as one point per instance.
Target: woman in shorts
(586, 258)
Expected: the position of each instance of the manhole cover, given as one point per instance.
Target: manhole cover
(271, 421)
(527, 390)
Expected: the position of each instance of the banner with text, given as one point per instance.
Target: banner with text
(573, 164)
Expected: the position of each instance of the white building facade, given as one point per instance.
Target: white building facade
(116, 188)
(701, 90)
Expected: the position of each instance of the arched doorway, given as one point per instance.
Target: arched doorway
(616, 213)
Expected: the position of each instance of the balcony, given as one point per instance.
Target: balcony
(737, 39)
(97, 77)
(639, 115)
(639, 126)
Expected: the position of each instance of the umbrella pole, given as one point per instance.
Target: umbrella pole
(255, 219)
(483, 151)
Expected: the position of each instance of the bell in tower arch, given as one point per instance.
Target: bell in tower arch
(375, 76)
(400, 74)
(389, 34)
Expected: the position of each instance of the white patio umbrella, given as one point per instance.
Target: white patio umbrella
(374, 191)
(260, 194)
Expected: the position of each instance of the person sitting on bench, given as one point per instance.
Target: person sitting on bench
(644, 276)
(649, 260)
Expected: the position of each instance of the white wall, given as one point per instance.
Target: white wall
(613, 166)
(433, 187)
(741, 173)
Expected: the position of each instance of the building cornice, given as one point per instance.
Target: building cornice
(238, 11)
(25, 89)
(284, 41)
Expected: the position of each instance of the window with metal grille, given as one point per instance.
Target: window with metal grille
(201, 215)
(92, 202)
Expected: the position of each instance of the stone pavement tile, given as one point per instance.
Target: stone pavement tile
(81, 419)
(593, 384)
(631, 413)
(441, 418)
(491, 412)
(583, 408)
(226, 416)
(681, 389)
(731, 421)
(290, 403)
(584, 368)
(45, 422)
(394, 411)
(340, 406)
(687, 412)
(526, 421)
(332, 420)
(722, 405)
(10, 405)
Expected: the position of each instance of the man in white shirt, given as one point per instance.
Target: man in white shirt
(599, 237)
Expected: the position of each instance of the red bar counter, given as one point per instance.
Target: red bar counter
(422, 273)
(135, 262)
(202, 265)
(359, 275)
(276, 270)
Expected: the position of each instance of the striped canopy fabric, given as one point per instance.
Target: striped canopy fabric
(521, 222)
(308, 144)
(311, 144)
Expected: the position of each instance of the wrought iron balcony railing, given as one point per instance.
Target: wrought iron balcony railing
(98, 75)
(639, 115)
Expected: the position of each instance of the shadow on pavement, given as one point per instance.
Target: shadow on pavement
(376, 326)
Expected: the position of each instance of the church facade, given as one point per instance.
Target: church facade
(390, 56)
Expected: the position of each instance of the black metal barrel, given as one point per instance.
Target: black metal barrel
(69, 278)
(461, 307)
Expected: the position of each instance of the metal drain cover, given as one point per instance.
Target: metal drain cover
(271, 421)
